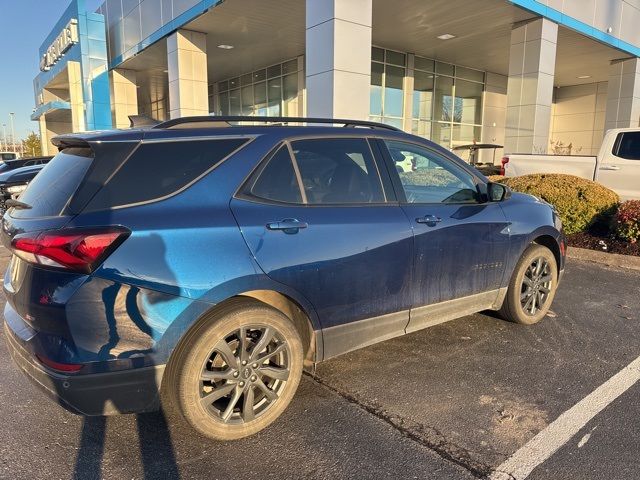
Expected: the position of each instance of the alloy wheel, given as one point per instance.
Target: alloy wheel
(245, 374)
(536, 286)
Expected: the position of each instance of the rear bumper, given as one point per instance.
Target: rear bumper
(127, 391)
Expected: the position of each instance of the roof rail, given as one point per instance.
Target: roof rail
(227, 121)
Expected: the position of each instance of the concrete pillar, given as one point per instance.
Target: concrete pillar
(532, 63)
(623, 94)
(494, 116)
(188, 86)
(338, 58)
(76, 97)
(124, 97)
(44, 139)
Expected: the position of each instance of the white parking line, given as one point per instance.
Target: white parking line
(561, 430)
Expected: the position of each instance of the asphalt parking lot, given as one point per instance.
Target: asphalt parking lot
(451, 402)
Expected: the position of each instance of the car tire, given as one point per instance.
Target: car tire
(226, 391)
(532, 287)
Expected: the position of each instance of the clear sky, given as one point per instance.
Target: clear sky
(24, 24)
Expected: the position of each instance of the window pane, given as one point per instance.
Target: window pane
(234, 102)
(260, 98)
(277, 181)
(444, 68)
(166, 168)
(444, 108)
(441, 134)
(338, 171)
(246, 79)
(465, 135)
(393, 94)
(468, 102)
(375, 108)
(52, 188)
(427, 177)
(260, 75)
(274, 96)
(274, 71)
(223, 86)
(290, 66)
(377, 54)
(247, 100)
(395, 58)
(470, 74)
(234, 83)
(629, 146)
(421, 128)
(224, 103)
(290, 95)
(425, 64)
(423, 95)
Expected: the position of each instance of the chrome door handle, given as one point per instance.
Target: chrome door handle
(288, 225)
(430, 220)
(610, 167)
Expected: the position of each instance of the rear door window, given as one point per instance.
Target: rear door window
(628, 146)
(277, 181)
(158, 169)
(52, 188)
(338, 171)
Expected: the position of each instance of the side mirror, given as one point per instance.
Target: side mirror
(498, 192)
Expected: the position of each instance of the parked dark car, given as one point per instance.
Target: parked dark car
(7, 165)
(14, 182)
(210, 261)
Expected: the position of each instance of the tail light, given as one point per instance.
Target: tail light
(60, 367)
(76, 250)
(504, 162)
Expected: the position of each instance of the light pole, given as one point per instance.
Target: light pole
(13, 135)
(4, 135)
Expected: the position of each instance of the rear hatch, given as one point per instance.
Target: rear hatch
(57, 194)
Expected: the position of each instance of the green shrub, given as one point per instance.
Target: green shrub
(579, 202)
(626, 222)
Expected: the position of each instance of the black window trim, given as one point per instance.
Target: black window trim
(397, 183)
(249, 139)
(244, 191)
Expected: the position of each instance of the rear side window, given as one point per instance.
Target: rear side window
(52, 188)
(628, 146)
(156, 170)
(338, 171)
(277, 181)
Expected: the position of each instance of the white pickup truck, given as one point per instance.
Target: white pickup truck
(617, 166)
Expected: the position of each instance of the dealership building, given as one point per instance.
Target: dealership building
(534, 76)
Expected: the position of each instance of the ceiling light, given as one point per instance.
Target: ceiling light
(584, 77)
(225, 46)
(446, 36)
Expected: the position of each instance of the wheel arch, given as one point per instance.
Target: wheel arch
(552, 244)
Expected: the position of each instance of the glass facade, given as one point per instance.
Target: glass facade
(445, 104)
(129, 22)
(270, 91)
(388, 69)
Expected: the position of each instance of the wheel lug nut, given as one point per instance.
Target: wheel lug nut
(244, 362)
(242, 384)
(255, 365)
(253, 379)
(235, 374)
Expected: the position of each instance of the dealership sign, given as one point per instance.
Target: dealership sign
(67, 38)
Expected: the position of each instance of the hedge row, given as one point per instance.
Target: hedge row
(579, 202)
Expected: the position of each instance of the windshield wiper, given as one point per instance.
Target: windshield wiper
(17, 204)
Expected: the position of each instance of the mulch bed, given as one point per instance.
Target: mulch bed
(598, 238)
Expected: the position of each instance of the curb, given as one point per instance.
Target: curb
(610, 259)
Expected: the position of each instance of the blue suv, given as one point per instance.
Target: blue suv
(205, 262)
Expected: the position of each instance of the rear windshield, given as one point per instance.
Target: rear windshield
(52, 188)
